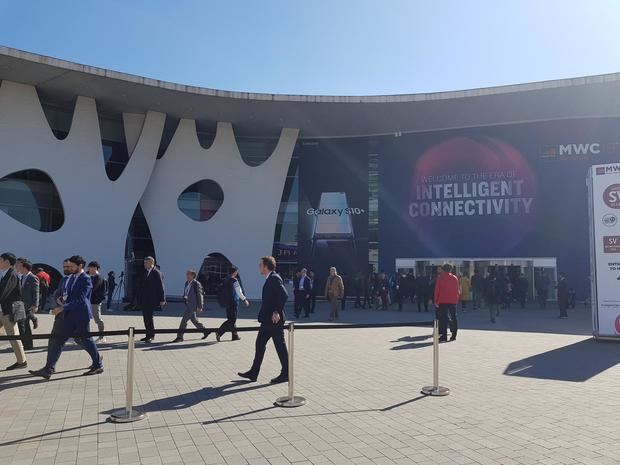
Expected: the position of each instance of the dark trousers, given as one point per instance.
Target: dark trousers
(367, 300)
(542, 297)
(446, 314)
(56, 330)
(384, 299)
(358, 300)
(276, 333)
(43, 295)
(562, 302)
(26, 331)
(422, 300)
(312, 301)
(477, 297)
(63, 330)
(343, 302)
(301, 303)
(149, 325)
(231, 321)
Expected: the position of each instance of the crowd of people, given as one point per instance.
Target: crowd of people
(82, 291)
(495, 289)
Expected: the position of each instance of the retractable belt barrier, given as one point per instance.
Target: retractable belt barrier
(129, 414)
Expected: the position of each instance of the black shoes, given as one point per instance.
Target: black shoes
(235, 337)
(43, 373)
(35, 323)
(93, 366)
(443, 339)
(283, 378)
(453, 338)
(93, 371)
(147, 340)
(178, 339)
(205, 335)
(218, 336)
(17, 366)
(247, 375)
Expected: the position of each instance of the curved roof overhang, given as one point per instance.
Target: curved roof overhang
(261, 115)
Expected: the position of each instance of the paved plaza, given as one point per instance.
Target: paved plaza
(531, 389)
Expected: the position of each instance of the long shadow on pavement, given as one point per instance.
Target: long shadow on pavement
(28, 380)
(174, 346)
(412, 342)
(239, 416)
(576, 362)
(190, 399)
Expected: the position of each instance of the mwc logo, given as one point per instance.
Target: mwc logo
(580, 151)
(564, 150)
(600, 170)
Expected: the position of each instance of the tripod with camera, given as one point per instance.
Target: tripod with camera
(119, 291)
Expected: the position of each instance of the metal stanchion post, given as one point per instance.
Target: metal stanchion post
(128, 414)
(435, 389)
(291, 400)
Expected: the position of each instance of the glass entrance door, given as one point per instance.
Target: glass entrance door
(540, 273)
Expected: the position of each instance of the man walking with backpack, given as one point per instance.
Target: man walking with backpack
(194, 300)
(231, 296)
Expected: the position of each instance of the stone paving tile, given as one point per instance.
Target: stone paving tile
(531, 390)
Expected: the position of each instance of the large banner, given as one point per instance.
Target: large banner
(494, 192)
(604, 183)
(333, 206)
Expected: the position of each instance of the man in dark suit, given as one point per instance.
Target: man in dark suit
(303, 290)
(271, 318)
(9, 294)
(150, 296)
(75, 315)
(314, 283)
(29, 285)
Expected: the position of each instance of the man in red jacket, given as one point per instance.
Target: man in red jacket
(447, 296)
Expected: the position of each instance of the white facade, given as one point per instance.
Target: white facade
(98, 211)
(243, 227)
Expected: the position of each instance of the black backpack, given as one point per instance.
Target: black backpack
(222, 298)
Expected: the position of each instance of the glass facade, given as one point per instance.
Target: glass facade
(31, 198)
(285, 241)
(201, 200)
(373, 211)
(255, 151)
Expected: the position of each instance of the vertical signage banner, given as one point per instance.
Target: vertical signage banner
(333, 206)
(605, 202)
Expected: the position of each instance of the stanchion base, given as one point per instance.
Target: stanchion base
(289, 402)
(122, 416)
(438, 391)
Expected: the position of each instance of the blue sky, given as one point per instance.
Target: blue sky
(342, 47)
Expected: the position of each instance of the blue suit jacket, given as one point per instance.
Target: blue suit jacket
(77, 307)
